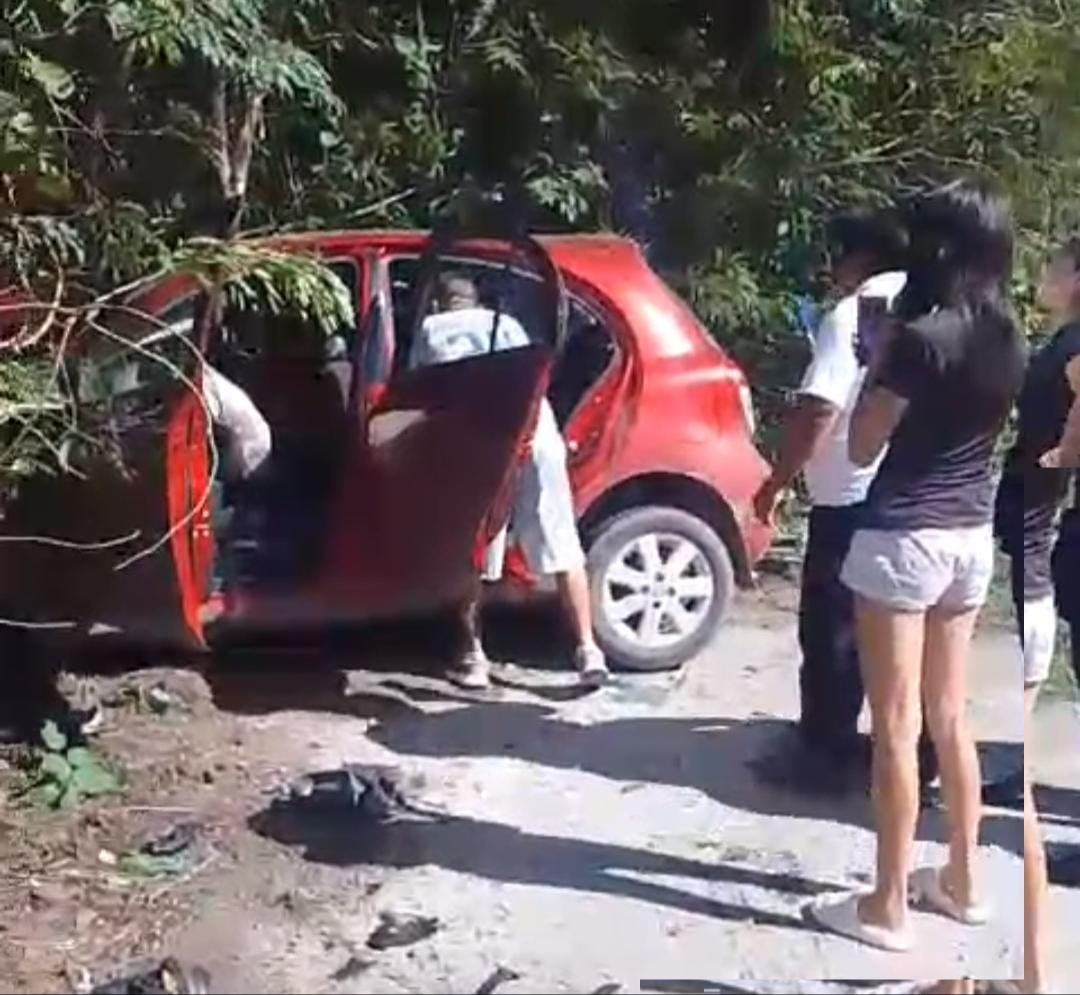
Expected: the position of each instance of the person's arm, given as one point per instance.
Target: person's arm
(1067, 453)
(877, 414)
(806, 427)
(418, 350)
(826, 388)
(248, 430)
(898, 365)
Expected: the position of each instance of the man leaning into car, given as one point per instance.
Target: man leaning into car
(543, 518)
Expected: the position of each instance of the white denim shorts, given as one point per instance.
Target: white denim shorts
(1039, 632)
(543, 519)
(921, 569)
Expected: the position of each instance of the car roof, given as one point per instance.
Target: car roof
(565, 249)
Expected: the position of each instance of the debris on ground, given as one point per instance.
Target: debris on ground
(609, 989)
(401, 931)
(180, 837)
(166, 854)
(372, 791)
(154, 699)
(499, 977)
(169, 978)
(352, 968)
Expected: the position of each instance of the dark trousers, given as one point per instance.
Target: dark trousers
(831, 680)
(1066, 570)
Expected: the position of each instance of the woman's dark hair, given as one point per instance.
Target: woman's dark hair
(961, 250)
(877, 235)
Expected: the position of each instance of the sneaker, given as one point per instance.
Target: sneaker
(473, 670)
(591, 665)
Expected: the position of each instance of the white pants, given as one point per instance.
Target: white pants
(1039, 628)
(922, 569)
(542, 519)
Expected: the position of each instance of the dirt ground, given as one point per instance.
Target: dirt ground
(596, 840)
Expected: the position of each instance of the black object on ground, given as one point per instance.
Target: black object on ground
(1005, 792)
(372, 791)
(169, 978)
(176, 840)
(352, 968)
(499, 977)
(609, 989)
(1063, 865)
(401, 931)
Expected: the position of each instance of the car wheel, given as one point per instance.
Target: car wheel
(661, 582)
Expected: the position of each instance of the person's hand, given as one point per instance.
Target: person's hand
(1051, 460)
(1058, 459)
(766, 501)
(878, 351)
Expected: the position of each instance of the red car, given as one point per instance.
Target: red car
(386, 482)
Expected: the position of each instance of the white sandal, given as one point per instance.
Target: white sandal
(928, 889)
(842, 918)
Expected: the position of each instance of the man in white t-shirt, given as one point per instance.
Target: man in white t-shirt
(866, 254)
(247, 433)
(543, 519)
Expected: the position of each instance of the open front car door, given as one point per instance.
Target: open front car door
(112, 547)
(432, 473)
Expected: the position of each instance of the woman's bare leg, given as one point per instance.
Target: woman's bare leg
(1035, 883)
(945, 667)
(891, 648)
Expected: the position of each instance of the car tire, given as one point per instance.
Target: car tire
(685, 608)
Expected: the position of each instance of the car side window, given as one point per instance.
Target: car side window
(142, 361)
(588, 353)
(506, 290)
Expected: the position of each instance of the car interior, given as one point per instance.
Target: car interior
(301, 380)
(587, 354)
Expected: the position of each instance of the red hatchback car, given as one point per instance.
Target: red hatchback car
(386, 482)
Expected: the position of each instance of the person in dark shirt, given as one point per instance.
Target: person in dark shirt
(943, 378)
(1033, 489)
(1051, 435)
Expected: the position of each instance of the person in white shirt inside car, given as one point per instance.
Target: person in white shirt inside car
(543, 519)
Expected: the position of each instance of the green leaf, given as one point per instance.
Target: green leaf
(55, 767)
(69, 798)
(144, 865)
(54, 79)
(52, 738)
(80, 756)
(93, 779)
(46, 795)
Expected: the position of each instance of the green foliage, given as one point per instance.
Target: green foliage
(65, 775)
(259, 278)
(721, 136)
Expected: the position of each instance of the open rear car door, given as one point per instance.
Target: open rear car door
(111, 547)
(432, 473)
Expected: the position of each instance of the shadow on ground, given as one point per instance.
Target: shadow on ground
(506, 854)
